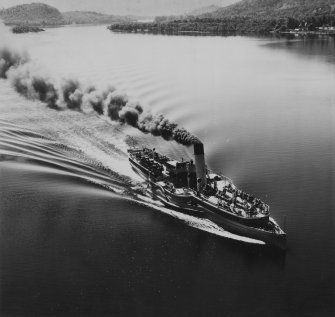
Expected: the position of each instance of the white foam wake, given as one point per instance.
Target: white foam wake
(192, 221)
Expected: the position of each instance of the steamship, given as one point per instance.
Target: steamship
(191, 188)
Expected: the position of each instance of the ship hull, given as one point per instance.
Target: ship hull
(278, 240)
(195, 206)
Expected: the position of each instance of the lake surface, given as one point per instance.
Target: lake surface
(71, 246)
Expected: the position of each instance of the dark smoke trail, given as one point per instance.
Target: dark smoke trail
(47, 92)
(160, 126)
(115, 102)
(95, 99)
(72, 94)
(69, 94)
(9, 59)
(157, 125)
(130, 113)
(32, 85)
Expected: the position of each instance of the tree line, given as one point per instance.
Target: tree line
(236, 24)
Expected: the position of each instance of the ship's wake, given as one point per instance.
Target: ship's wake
(25, 146)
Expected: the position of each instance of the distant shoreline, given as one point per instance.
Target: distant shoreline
(115, 27)
(287, 34)
(231, 25)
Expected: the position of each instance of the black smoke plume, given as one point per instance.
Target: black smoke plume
(9, 59)
(30, 82)
(46, 91)
(72, 94)
(95, 99)
(158, 125)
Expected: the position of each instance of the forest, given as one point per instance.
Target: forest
(237, 24)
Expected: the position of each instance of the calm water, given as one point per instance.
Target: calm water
(265, 110)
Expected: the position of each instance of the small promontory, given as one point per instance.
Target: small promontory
(18, 29)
